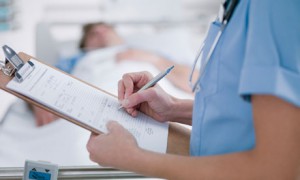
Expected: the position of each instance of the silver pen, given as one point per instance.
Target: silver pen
(154, 80)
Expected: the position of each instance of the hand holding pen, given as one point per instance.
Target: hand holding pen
(154, 80)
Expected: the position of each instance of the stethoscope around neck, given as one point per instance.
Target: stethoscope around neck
(225, 13)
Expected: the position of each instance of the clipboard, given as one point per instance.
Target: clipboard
(5, 79)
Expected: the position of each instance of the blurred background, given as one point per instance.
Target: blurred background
(51, 29)
(41, 27)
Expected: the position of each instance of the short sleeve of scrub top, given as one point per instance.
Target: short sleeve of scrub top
(272, 57)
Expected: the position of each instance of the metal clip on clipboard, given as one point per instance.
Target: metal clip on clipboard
(14, 65)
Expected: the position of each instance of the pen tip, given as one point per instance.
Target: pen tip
(170, 68)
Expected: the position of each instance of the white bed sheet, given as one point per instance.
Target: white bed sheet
(6, 100)
(60, 142)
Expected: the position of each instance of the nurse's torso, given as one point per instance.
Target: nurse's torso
(222, 120)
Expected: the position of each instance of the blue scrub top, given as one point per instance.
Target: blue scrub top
(258, 53)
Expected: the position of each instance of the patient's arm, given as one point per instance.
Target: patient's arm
(179, 75)
(43, 117)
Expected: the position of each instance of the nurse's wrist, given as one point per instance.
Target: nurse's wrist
(182, 111)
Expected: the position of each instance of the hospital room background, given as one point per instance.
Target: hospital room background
(51, 29)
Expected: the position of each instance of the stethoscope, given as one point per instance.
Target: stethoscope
(225, 13)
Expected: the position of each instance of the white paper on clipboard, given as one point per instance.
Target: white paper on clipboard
(88, 105)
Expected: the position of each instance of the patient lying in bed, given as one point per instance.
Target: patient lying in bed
(100, 36)
(105, 57)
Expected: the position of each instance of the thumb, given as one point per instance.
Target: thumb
(113, 126)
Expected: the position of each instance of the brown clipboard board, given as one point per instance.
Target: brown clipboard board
(4, 79)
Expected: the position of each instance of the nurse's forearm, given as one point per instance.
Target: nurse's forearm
(182, 111)
(178, 139)
(179, 136)
(246, 165)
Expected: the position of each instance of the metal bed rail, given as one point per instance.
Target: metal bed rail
(76, 172)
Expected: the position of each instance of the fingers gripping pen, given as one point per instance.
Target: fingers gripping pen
(155, 80)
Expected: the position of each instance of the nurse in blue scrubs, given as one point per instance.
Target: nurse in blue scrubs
(246, 114)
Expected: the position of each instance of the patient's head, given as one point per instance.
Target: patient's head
(99, 35)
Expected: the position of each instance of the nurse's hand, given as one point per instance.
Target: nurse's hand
(153, 101)
(117, 148)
